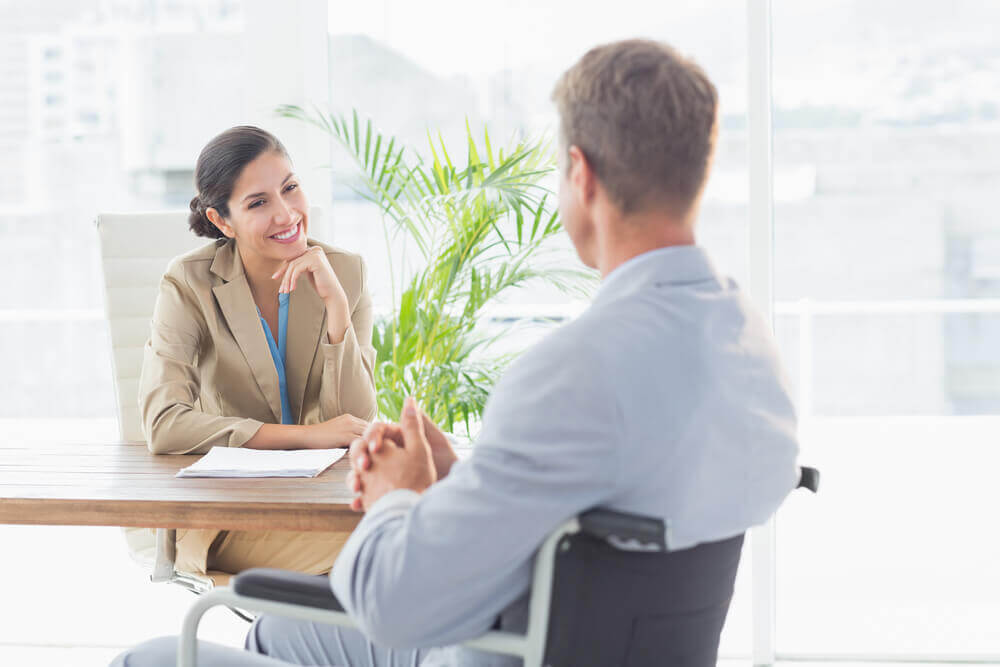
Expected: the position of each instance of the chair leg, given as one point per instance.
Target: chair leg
(166, 553)
(192, 582)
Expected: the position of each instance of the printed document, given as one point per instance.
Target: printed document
(242, 462)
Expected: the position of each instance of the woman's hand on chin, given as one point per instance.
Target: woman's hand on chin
(336, 432)
(314, 264)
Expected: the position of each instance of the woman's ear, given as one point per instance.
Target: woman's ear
(220, 223)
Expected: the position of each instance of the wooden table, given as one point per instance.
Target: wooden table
(122, 484)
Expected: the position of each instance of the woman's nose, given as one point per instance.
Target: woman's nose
(282, 213)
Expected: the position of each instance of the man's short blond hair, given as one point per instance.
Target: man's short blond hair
(644, 116)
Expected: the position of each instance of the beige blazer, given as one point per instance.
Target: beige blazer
(208, 378)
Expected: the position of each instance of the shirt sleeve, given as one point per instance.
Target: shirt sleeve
(170, 383)
(437, 568)
(348, 385)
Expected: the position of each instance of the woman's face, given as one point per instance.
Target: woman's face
(268, 211)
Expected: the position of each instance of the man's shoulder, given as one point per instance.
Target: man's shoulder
(575, 348)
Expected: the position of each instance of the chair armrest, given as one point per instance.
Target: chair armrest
(622, 530)
(808, 479)
(307, 590)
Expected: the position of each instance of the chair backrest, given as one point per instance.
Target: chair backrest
(135, 250)
(639, 609)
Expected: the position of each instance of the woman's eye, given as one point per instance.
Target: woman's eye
(256, 203)
(291, 186)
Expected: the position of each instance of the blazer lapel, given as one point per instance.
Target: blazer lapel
(306, 328)
(237, 305)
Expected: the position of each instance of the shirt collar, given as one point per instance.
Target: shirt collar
(679, 264)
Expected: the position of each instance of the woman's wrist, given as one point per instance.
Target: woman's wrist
(338, 318)
(307, 436)
(281, 436)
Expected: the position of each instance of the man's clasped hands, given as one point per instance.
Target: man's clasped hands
(412, 454)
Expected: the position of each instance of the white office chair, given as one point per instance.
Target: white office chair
(135, 251)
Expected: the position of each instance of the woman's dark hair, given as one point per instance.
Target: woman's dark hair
(221, 162)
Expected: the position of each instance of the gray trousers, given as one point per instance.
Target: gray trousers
(274, 641)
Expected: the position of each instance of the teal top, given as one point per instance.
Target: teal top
(278, 354)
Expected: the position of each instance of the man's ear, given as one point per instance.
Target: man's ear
(581, 175)
(220, 222)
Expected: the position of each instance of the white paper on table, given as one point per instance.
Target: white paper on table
(242, 462)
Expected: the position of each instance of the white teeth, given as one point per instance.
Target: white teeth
(286, 235)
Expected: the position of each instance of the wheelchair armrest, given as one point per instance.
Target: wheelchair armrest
(623, 530)
(808, 479)
(307, 590)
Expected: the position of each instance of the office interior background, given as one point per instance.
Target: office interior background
(886, 264)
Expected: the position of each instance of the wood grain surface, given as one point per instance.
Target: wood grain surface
(122, 484)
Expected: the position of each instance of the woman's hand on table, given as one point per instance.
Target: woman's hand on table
(337, 432)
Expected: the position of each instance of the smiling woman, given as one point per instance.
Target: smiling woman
(261, 339)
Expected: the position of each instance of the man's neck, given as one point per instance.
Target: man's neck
(638, 235)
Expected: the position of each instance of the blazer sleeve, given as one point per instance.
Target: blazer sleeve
(170, 383)
(348, 384)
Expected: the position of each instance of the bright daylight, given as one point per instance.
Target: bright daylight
(462, 333)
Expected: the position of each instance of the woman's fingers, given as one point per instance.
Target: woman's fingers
(286, 282)
(307, 261)
(295, 276)
(281, 270)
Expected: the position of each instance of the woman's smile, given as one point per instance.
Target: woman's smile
(290, 235)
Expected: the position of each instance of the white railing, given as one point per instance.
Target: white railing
(806, 310)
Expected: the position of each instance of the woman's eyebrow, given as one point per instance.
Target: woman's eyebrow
(261, 194)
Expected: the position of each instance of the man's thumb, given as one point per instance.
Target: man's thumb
(413, 425)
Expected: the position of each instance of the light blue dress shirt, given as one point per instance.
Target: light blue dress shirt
(278, 354)
(665, 398)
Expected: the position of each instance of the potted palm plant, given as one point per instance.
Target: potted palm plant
(481, 228)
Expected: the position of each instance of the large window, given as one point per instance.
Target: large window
(887, 250)
(103, 107)
(427, 68)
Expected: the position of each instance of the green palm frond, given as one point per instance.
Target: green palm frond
(482, 228)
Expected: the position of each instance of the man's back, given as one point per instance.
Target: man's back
(709, 442)
(664, 398)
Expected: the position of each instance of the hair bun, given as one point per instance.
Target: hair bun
(199, 222)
